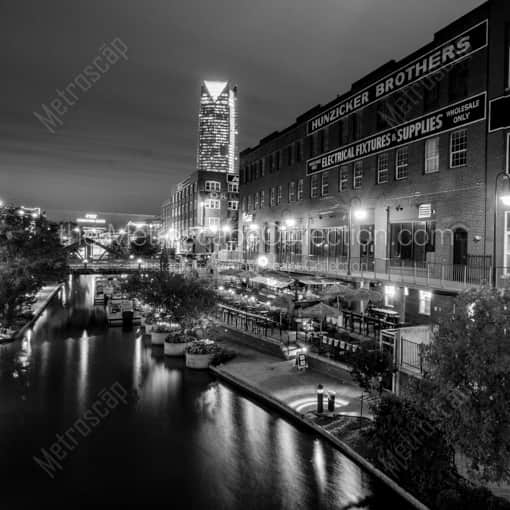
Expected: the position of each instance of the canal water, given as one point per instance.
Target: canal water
(95, 415)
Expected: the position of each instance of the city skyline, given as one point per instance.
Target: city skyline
(126, 140)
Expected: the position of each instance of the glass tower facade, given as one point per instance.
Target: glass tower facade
(217, 143)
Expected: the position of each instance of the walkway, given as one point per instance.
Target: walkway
(281, 379)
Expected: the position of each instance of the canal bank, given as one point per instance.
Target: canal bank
(42, 300)
(279, 385)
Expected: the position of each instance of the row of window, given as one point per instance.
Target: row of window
(212, 186)
(399, 109)
(319, 183)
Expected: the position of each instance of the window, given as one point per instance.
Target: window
(292, 191)
(262, 167)
(212, 203)
(431, 90)
(425, 302)
(324, 184)
(233, 187)
(323, 140)
(256, 201)
(212, 186)
(314, 186)
(357, 175)
(383, 164)
(279, 195)
(272, 198)
(262, 199)
(233, 205)
(432, 155)
(270, 163)
(343, 178)
(299, 150)
(458, 84)
(289, 155)
(243, 204)
(278, 160)
(458, 148)
(267, 239)
(300, 189)
(402, 163)
(249, 202)
(213, 222)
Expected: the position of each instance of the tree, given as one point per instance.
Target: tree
(370, 366)
(467, 384)
(407, 446)
(185, 299)
(30, 256)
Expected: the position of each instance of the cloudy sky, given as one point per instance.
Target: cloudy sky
(128, 139)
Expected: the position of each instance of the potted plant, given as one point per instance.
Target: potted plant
(160, 331)
(200, 353)
(176, 343)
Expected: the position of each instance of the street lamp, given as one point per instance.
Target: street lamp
(262, 261)
(359, 214)
(85, 262)
(139, 262)
(505, 200)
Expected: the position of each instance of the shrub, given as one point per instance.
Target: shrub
(179, 338)
(165, 327)
(223, 356)
(202, 347)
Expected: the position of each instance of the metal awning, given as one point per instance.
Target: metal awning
(272, 281)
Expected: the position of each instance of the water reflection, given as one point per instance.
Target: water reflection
(181, 432)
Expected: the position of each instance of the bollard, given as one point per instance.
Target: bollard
(320, 398)
(331, 401)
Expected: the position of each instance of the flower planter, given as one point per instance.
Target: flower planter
(198, 361)
(158, 338)
(173, 349)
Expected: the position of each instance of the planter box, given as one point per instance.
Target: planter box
(175, 349)
(198, 361)
(158, 338)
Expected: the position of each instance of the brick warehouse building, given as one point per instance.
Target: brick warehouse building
(202, 213)
(407, 161)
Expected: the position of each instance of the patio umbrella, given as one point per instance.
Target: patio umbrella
(319, 310)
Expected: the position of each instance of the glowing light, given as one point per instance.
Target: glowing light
(213, 228)
(291, 222)
(139, 261)
(215, 88)
(390, 290)
(226, 229)
(505, 199)
(360, 214)
(262, 261)
(254, 226)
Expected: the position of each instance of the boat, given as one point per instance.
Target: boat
(7, 334)
(122, 311)
(99, 294)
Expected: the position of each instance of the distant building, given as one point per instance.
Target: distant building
(217, 128)
(201, 214)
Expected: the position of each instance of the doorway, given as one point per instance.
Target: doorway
(460, 241)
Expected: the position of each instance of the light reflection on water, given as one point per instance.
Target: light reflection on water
(181, 432)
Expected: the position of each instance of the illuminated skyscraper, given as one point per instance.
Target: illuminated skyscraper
(217, 143)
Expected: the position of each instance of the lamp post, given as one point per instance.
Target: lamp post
(320, 398)
(359, 215)
(505, 199)
(139, 262)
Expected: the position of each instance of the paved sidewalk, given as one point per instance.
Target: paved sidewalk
(281, 379)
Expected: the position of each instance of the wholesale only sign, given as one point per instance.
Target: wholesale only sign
(444, 55)
(451, 117)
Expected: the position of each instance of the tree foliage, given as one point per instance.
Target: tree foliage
(186, 299)
(30, 256)
(467, 386)
(370, 366)
(407, 445)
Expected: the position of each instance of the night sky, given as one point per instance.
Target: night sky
(128, 139)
